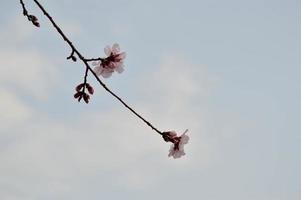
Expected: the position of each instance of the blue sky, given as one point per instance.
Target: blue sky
(226, 70)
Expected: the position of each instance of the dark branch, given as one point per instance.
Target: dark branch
(25, 13)
(30, 18)
(72, 57)
(85, 61)
(94, 59)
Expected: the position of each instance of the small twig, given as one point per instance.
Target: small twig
(85, 77)
(25, 13)
(88, 68)
(33, 19)
(94, 59)
(72, 56)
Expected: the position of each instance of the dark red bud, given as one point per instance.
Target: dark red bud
(78, 94)
(79, 87)
(166, 137)
(33, 18)
(37, 24)
(73, 58)
(86, 97)
(90, 89)
(169, 138)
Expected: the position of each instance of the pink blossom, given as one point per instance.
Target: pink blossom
(113, 62)
(177, 148)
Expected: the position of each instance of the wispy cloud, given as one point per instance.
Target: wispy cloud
(113, 141)
(12, 109)
(26, 69)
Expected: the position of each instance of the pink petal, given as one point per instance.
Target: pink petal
(122, 56)
(171, 151)
(119, 68)
(175, 153)
(178, 154)
(181, 147)
(184, 139)
(98, 70)
(112, 65)
(172, 133)
(118, 64)
(95, 63)
(108, 50)
(106, 73)
(115, 48)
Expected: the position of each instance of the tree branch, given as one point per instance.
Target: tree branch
(85, 61)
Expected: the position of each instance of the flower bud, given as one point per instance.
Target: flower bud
(33, 18)
(36, 23)
(90, 88)
(86, 97)
(77, 95)
(73, 58)
(79, 87)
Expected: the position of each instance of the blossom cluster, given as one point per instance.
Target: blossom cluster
(113, 62)
(177, 148)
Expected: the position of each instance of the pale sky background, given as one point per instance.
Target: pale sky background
(229, 71)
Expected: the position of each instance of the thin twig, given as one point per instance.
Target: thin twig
(85, 79)
(33, 19)
(71, 56)
(25, 13)
(88, 68)
(94, 59)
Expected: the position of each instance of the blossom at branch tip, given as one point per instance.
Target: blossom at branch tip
(113, 62)
(177, 148)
